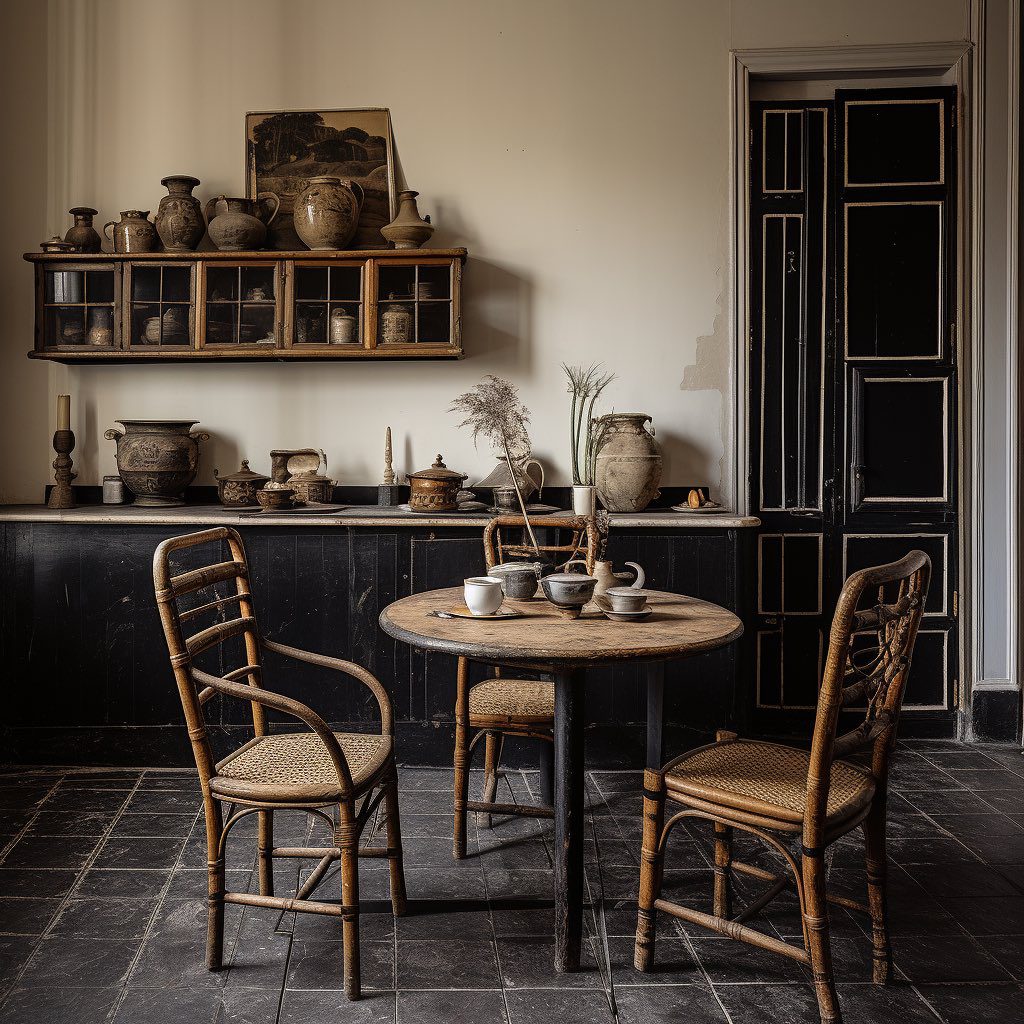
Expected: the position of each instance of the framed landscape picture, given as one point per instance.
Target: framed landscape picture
(285, 148)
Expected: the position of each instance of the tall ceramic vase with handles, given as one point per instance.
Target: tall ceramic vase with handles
(628, 463)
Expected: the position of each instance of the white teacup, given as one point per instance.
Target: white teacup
(626, 599)
(483, 594)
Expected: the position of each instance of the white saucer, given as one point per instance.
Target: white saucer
(628, 616)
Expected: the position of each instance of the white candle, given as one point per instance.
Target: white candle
(63, 412)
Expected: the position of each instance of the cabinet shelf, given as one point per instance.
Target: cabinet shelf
(163, 309)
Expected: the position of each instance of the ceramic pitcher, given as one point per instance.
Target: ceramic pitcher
(606, 577)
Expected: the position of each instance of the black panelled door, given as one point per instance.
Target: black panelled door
(852, 376)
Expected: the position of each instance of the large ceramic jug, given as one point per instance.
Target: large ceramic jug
(237, 224)
(326, 212)
(134, 232)
(179, 217)
(529, 476)
(157, 459)
(628, 462)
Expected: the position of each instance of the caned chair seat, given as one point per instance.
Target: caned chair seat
(512, 701)
(299, 761)
(766, 779)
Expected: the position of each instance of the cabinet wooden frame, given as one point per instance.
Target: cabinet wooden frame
(127, 348)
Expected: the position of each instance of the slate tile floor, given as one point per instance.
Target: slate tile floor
(102, 913)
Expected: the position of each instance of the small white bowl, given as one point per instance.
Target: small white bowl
(626, 599)
(483, 594)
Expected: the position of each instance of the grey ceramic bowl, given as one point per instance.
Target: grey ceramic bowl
(568, 591)
(626, 599)
(518, 579)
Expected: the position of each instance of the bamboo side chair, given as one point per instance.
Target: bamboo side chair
(308, 770)
(500, 706)
(778, 793)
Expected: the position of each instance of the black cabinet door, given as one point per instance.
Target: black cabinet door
(852, 377)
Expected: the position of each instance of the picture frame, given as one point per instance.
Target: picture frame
(284, 148)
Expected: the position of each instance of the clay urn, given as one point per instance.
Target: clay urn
(326, 212)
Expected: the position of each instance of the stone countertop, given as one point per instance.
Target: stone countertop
(353, 515)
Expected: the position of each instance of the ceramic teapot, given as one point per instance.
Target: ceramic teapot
(529, 476)
(607, 578)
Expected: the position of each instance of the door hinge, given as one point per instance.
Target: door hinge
(956, 603)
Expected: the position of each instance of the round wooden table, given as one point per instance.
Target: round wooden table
(544, 641)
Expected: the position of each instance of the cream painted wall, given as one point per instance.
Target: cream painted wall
(578, 148)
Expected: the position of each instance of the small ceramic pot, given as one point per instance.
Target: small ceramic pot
(505, 499)
(344, 327)
(435, 489)
(312, 488)
(238, 490)
(568, 591)
(275, 500)
(518, 579)
(82, 235)
(626, 599)
(483, 594)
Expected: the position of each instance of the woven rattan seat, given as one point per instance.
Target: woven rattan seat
(511, 701)
(300, 761)
(766, 779)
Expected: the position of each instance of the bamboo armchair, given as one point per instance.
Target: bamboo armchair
(777, 793)
(501, 706)
(308, 770)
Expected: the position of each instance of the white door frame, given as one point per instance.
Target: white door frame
(957, 60)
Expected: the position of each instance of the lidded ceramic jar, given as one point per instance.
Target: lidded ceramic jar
(628, 462)
(134, 232)
(238, 490)
(157, 459)
(435, 489)
(326, 212)
(179, 217)
(396, 325)
(344, 327)
(82, 235)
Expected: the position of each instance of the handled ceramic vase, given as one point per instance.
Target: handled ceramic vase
(157, 459)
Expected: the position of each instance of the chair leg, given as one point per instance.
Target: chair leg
(652, 858)
(874, 843)
(461, 761)
(492, 757)
(266, 852)
(215, 887)
(723, 880)
(815, 914)
(395, 862)
(350, 921)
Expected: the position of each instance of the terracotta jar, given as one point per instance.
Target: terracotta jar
(134, 232)
(157, 459)
(435, 489)
(238, 490)
(82, 235)
(326, 212)
(408, 230)
(237, 224)
(628, 463)
(179, 217)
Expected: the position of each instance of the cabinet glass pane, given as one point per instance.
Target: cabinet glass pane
(311, 324)
(222, 284)
(310, 283)
(257, 325)
(346, 283)
(434, 322)
(146, 284)
(64, 286)
(177, 284)
(221, 324)
(397, 282)
(434, 283)
(65, 325)
(99, 286)
(257, 284)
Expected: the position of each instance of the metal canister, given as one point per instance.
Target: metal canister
(113, 490)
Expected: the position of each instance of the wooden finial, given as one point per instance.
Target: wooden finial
(389, 473)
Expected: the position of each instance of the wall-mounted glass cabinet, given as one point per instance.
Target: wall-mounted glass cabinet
(265, 305)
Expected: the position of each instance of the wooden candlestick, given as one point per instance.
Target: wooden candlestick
(61, 495)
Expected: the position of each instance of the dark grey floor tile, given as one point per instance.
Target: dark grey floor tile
(485, 1007)
(472, 925)
(982, 780)
(446, 963)
(527, 921)
(114, 883)
(959, 759)
(937, 850)
(58, 1005)
(460, 880)
(1014, 874)
(260, 956)
(176, 826)
(978, 1004)
(945, 958)
(203, 1006)
(21, 797)
(778, 1003)
(170, 801)
(529, 853)
(426, 780)
(240, 851)
(191, 883)
(1009, 801)
(895, 1003)
(519, 883)
(104, 919)
(36, 882)
(527, 1006)
(994, 849)
(320, 965)
(76, 961)
(426, 802)
(372, 927)
(422, 851)
(989, 915)
(332, 1007)
(529, 962)
(1008, 950)
(674, 963)
(946, 881)
(70, 823)
(951, 801)
(32, 851)
(86, 800)
(155, 780)
(725, 960)
(966, 826)
(432, 826)
(15, 951)
(694, 1004)
(174, 953)
(26, 916)
(138, 853)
